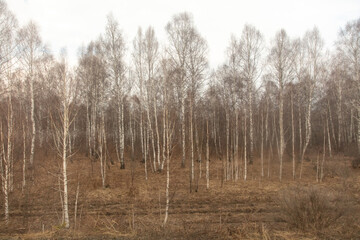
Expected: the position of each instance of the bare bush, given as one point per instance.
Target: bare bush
(336, 169)
(355, 163)
(310, 208)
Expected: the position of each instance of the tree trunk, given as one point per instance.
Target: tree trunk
(236, 145)
(191, 145)
(24, 160)
(226, 173)
(300, 130)
(64, 158)
(307, 131)
(328, 133)
(157, 135)
(251, 128)
(245, 159)
(32, 118)
(122, 138)
(323, 157)
(183, 131)
(292, 135)
(262, 143)
(281, 126)
(207, 155)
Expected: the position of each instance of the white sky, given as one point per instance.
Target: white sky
(73, 23)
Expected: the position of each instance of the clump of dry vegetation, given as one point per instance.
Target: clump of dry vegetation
(311, 208)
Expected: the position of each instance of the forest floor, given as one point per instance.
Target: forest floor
(134, 209)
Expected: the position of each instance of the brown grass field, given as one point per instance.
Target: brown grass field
(252, 209)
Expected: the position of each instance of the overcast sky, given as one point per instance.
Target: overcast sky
(73, 23)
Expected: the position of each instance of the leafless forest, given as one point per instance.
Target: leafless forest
(143, 140)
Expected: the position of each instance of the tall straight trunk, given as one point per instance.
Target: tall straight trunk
(141, 134)
(152, 138)
(191, 145)
(340, 119)
(357, 77)
(64, 157)
(317, 168)
(245, 159)
(102, 149)
(300, 130)
(281, 128)
(157, 135)
(351, 127)
(122, 137)
(145, 152)
(207, 155)
(328, 133)
(93, 123)
(251, 128)
(358, 133)
(32, 118)
(9, 143)
(198, 146)
(226, 173)
(164, 138)
(132, 137)
(167, 168)
(270, 155)
(292, 134)
(236, 157)
(323, 157)
(142, 120)
(183, 137)
(267, 132)
(88, 130)
(232, 155)
(215, 135)
(262, 144)
(24, 159)
(4, 175)
(307, 131)
(331, 124)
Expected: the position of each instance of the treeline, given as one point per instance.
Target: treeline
(259, 105)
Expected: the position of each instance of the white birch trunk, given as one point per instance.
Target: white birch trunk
(24, 160)
(157, 135)
(236, 145)
(183, 131)
(281, 126)
(32, 118)
(245, 157)
(292, 135)
(64, 156)
(226, 170)
(207, 156)
(262, 143)
(328, 135)
(191, 146)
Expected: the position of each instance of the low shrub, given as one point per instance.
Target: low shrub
(310, 208)
(355, 163)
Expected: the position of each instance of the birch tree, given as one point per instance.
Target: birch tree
(31, 49)
(67, 93)
(281, 68)
(349, 45)
(179, 31)
(116, 69)
(313, 44)
(251, 45)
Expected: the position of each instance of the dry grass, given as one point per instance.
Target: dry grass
(125, 210)
(311, 208)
